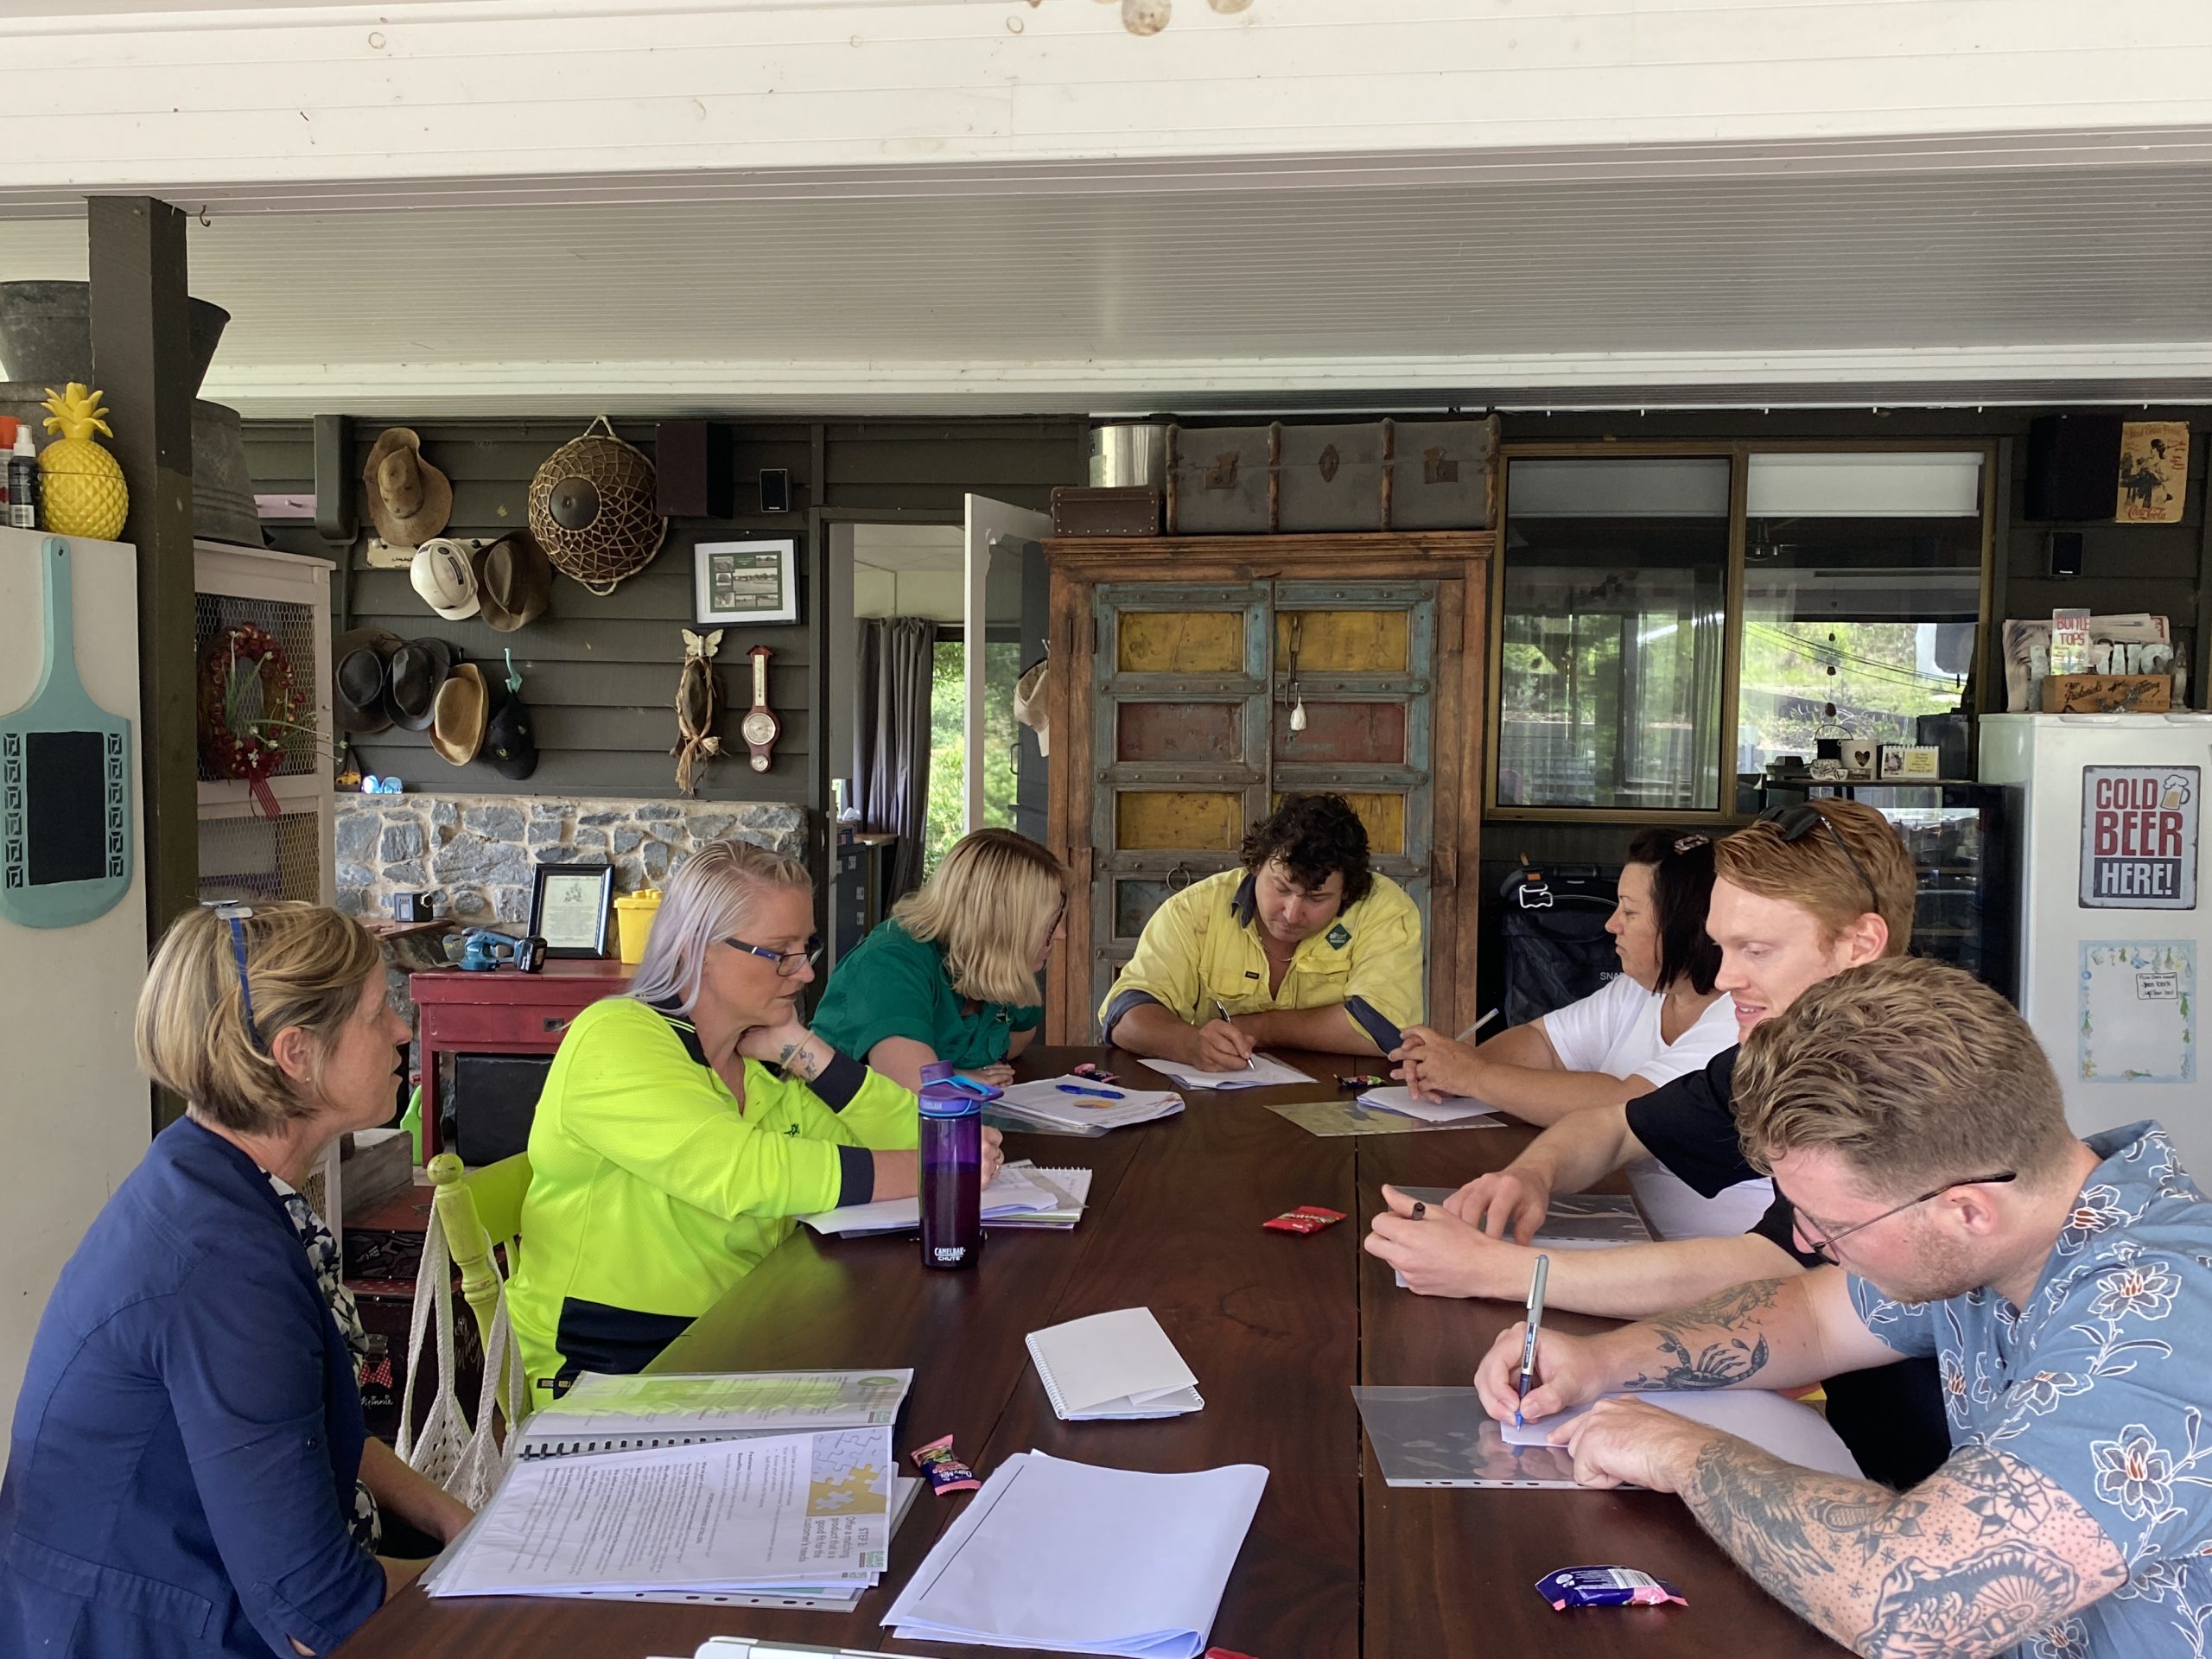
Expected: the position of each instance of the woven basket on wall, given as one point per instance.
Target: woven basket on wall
(593, 509)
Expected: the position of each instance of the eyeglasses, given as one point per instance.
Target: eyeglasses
(1824, 1243)
(237, 916)
(788, 963)
(1794, 824)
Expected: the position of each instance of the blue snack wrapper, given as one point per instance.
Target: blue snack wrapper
(1606, 1586)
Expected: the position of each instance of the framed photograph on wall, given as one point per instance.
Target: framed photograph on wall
(745, 582)
(569, 907)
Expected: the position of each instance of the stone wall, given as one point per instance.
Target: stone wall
(481, 850)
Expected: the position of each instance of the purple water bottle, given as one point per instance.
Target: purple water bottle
(952, 1158)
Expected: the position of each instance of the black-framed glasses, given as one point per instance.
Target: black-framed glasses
(788, 963)
(1794, 824)
(1824, 1243)
(238, 915)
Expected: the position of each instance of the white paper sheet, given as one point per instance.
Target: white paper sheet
(1057, 1554)
(600, 1409)
(1264, 1072)
(1793, 1432)
(799, 1508)
(1117, 1364)
(1453, 1109)
(1020, 1190)
(1047, 1100)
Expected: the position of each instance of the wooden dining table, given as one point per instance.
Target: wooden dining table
(1278, 1328)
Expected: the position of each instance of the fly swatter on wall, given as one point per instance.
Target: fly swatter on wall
(65, 782)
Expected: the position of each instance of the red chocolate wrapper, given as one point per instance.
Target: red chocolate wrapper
(946, 1472)
(1307, 1218)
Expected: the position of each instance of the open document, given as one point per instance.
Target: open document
(810, 1509)
(633, 1414)
(1022, 1196)
(1083, 1105)
(1263, 1071)
(1447, 1108)
(1066, 1555)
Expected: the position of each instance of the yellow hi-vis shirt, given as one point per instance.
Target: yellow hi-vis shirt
(652, 1192)
(1204, 944)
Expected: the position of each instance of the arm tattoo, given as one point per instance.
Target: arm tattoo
(1701, 1345)
(1972, 1561)
(799, 1058)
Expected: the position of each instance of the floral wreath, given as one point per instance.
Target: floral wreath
(249, 708)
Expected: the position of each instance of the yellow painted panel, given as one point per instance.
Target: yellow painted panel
(1179, 821)
(1384, 817)
(1182, 642)
(1346, 642)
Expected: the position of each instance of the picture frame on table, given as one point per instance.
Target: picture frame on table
(571, 905)
(753, 580)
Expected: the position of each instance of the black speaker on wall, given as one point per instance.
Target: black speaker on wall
(2065, 552)
(2073, 469)
(695, 469)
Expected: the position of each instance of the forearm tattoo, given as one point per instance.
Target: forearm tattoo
(1714, 1345)
(800, 1058)
(1972, 1561)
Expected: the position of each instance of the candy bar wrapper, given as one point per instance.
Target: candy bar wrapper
(1307, 1218)
(1606, 1586)
(946, 1473)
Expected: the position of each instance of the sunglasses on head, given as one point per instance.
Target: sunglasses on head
(1794, 824)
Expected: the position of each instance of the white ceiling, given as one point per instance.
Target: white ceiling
(1934, 285)
(910, 547)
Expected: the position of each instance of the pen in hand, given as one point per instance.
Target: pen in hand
(1219, 1008)
(1528, 1340)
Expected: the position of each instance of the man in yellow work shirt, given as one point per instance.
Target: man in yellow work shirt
(1288, 950)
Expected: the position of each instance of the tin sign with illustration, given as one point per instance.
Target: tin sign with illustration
(2139, 837)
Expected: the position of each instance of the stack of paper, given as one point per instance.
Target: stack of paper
(636, 1414)
(804, 1512)
(1264, 1072)
(1022, 1196)
(1452, 1109)
(1078, 1103)
(1576, 1221)
(1117, 1364)
(1065, 1556)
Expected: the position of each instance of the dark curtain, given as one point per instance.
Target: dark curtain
(891, 753)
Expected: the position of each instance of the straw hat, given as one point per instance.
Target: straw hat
(409, 500)
(464, 704)
(515, 581)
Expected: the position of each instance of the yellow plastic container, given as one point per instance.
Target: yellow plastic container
(633, 919)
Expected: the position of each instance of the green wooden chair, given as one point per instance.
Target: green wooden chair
(478, 1209)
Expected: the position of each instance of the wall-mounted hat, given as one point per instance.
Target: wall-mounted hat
(515, 581)
(444, 574)
(363, 660)
(409, 499)
(509, 745)
(457, 727)
(418, 668)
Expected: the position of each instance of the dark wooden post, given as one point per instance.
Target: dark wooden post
(140, 359)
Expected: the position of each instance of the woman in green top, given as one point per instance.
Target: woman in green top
(682, 1126)
(952, 975)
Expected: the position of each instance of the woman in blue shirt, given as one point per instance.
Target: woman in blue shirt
(953, 975)
(189, 1476)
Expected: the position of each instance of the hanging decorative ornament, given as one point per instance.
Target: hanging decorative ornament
(1297, 697)
(698, 706)
(760, 727)
(249, 709)
(593, 509)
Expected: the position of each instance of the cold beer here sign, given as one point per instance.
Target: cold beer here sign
(2139, 837)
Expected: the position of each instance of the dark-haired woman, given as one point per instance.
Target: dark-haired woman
(1660, 1019)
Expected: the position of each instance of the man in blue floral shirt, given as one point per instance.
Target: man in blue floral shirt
(2064, 1286)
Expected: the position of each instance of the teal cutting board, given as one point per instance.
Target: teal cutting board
(65, 782)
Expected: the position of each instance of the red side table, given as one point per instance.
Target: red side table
(502, 1012)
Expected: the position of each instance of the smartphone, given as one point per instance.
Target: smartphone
(1385, 1035)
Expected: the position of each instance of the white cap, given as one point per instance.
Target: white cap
(24, 446)
(444, 574)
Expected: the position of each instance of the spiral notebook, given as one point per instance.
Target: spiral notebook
(638, 1414)
(1113, 1365)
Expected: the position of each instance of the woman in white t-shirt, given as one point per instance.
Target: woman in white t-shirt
(1660, 1019)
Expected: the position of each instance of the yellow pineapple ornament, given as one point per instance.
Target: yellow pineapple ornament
(83, 483)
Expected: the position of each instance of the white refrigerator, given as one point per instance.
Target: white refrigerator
(2112, 901)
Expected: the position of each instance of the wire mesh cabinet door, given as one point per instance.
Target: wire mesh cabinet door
(1179, 710)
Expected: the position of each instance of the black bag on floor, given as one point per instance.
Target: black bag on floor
(1557, 951)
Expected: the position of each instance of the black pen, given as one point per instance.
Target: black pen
(1419, 1210)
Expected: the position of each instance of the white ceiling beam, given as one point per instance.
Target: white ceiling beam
(2169, 372)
